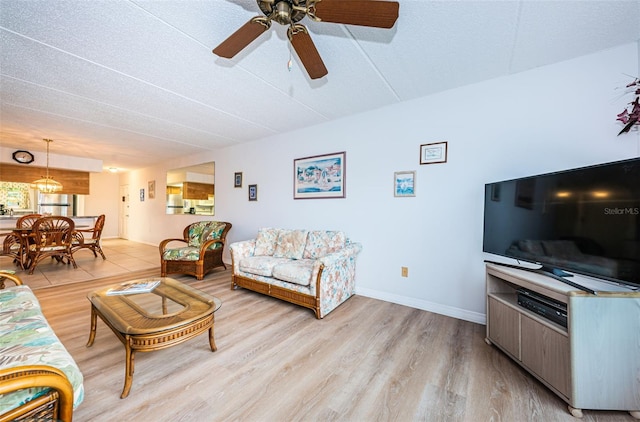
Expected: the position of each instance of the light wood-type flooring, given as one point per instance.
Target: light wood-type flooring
(368, 360)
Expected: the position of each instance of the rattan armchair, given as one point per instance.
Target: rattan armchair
(89, 238)
(51, 237)
(198, 252)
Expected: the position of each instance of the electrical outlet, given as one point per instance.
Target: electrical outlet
(405, 271)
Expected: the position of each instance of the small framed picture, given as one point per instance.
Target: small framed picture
(404, 183)
(152, 189)
(433, 153)
(253, 192)
(237, 180)
(142, 195)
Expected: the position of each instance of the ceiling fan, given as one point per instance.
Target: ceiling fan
(375, 13)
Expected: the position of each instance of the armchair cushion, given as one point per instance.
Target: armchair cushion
(188, 253)
(202, 231)
(291, 244)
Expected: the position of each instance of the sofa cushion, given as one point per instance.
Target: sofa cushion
(266, 241)
(260, 265)
(323, 242)
(291, 244)
(296, 271)
(27, 339)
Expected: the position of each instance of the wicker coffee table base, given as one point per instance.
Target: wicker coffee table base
(151, 341)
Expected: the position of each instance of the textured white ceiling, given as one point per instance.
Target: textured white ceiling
(134, 83)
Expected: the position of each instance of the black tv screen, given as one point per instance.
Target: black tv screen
(585, 220)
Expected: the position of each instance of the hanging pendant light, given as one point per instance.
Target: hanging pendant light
(47, 184)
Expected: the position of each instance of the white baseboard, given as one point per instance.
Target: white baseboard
(424, 305)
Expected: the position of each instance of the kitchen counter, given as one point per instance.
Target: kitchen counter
(8, 222)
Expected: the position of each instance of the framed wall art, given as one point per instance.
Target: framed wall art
(320, 176)
(253, 192)
(433, 153)
(142, 195)
(152, 189)
(237, 180)
(404, 183)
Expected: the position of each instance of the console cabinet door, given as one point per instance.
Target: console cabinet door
(504, 326)
(546, 352)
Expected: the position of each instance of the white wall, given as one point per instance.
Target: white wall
(551, 118)
(103, 199)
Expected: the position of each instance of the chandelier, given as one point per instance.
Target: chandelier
(47, 184)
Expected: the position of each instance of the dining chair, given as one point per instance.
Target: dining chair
(89, 238)
(12, 247)
(27, 220)
(51, 236)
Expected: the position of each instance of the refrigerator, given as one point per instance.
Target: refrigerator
(175, 204)
(56, 204)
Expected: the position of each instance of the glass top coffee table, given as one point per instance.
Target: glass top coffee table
(170, 314)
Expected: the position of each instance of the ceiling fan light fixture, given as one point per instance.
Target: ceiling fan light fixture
(46, 184)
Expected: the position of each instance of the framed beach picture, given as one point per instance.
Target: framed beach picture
(320, 176)
(253, 192)
(237, 180)
(433, 153)
(404, 183)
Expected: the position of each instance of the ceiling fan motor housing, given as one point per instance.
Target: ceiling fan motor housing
(285, 12)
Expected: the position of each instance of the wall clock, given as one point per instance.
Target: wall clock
(23, 157)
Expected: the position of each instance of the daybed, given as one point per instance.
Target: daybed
(198, 252)
(314, 269)
(39, 379)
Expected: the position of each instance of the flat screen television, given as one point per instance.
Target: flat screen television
(584, 221)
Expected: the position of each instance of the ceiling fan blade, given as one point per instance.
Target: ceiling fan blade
(379, 14)
(242, 37)
(307, 52)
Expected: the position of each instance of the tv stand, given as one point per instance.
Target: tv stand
(556, 274)
(593, 362)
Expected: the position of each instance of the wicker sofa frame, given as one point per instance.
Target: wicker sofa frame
(55, 405)
(209, 258)
(297, 298)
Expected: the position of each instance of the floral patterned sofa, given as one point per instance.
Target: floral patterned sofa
(312, 268)
(39, 380)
